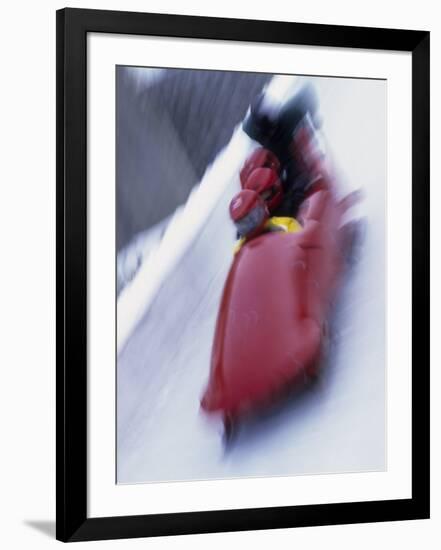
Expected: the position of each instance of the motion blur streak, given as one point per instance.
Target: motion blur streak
(167, 312)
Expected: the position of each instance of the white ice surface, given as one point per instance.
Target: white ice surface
(163, 363)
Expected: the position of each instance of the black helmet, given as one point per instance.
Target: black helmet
(262, 119)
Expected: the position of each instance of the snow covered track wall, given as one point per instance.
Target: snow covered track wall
(187, 222)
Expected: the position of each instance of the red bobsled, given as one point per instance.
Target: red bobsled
(274, 307)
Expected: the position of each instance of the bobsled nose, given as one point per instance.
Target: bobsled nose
(212, 399)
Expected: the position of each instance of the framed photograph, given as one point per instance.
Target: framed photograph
(242, 274)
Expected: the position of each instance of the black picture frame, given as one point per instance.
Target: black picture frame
(72, 522)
